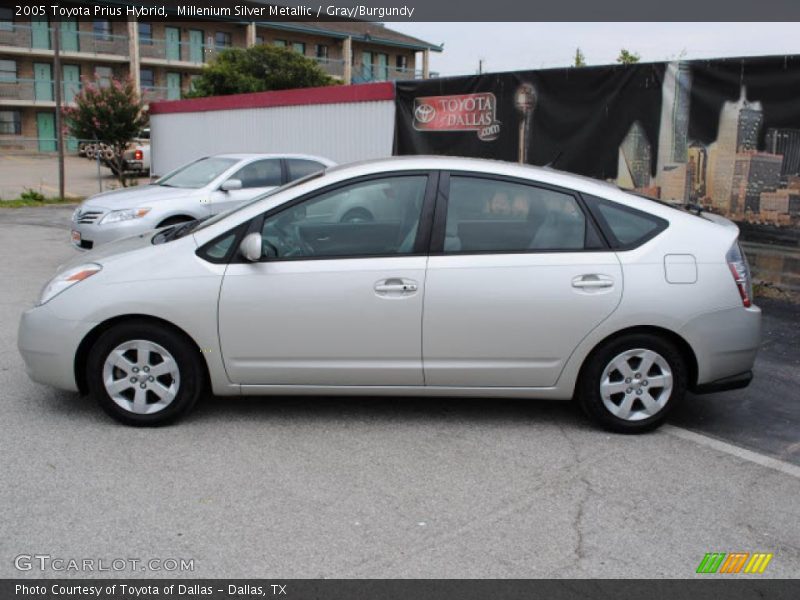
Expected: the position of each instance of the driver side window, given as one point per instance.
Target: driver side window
(261, 173)
(377, 217)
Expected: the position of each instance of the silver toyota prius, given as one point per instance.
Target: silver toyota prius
(409, 276)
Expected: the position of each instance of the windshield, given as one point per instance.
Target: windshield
(197, 174)
(278, 190)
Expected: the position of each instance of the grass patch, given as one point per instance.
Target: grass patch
(33, 198)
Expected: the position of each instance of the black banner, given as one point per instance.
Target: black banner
(724, 134)
(743, 588)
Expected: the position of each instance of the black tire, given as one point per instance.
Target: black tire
(185, 355)
(588, 390)
(357, 215)
(174, 221)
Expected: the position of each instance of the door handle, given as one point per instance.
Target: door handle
(592, 282)
(395, 286)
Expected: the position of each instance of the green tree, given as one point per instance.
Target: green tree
(112, 114)
(627, 58)
(580, 59)
(258, 69)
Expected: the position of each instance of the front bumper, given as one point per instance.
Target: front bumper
(93, 235)
(48, 345)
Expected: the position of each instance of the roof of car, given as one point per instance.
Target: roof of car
(248, 155)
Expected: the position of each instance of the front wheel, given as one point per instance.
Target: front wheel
(143, 374)
(631, 384)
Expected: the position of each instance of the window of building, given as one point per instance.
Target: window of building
(6, 19)
(321, 51)
(299, 47)
(487, 215)
(101, 28)
(147, 78)
(259, 40)
(222, 39)
(103, 76)
(10, 122)
(401, 62)
(146, 34)
(280, 43)
(8, 70)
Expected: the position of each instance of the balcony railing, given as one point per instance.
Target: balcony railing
(152, 93)
(333, 67)
(192, 52)
(37, 90)
(369, 73)
(41, 38)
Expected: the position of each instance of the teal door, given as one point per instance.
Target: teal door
(195, 45)
(69, 36)
(46, 131)
(383, 67)
(40, 34)
(43, 81)
(366, 66)
(173, 86)
(71, 79)
(173, 37)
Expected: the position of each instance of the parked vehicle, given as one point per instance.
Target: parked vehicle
(135, 160)
(535, 284)
(198, 190)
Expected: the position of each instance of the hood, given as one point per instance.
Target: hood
(102, 254)
(135, 196)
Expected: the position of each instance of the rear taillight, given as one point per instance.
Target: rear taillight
(737, 263)
(138, 155)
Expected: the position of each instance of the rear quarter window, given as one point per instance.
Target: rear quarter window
(624, 227)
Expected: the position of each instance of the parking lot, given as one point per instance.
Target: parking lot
(365, 487)
(23, 171)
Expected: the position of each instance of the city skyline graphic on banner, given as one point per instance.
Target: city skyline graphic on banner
(731, 175)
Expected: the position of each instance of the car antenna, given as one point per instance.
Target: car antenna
(553, 162)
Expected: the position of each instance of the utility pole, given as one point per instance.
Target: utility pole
(59, 120)
(480, 66)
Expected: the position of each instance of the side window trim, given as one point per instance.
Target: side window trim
(421, 243)
(443, 200)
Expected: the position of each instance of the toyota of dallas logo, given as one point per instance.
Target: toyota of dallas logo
(461, 112)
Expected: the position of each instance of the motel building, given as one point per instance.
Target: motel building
(164, 58)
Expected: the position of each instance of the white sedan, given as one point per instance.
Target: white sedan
(200, 189)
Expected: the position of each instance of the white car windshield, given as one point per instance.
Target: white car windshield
(197, 174)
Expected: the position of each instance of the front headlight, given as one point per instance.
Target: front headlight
(66, 280)
(75, 214)
(126, 214)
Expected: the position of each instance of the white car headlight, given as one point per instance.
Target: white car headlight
(66, 280)
(124, 215)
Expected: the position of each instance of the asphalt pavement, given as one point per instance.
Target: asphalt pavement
(377, 487)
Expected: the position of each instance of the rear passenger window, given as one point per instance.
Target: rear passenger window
(299, 167)
(261, 173)
(625, 227)
(485, 215)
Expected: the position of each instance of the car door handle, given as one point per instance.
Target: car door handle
(592, 282)
(396, 286)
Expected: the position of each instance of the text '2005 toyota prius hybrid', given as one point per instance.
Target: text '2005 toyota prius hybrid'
(460, 277)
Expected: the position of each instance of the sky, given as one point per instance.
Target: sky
(516, 46)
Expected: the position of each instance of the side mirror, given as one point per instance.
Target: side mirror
(230, 185)
(250, 248)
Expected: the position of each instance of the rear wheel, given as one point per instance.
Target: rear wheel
(630, 384)
(144, 374)
(357, 215)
